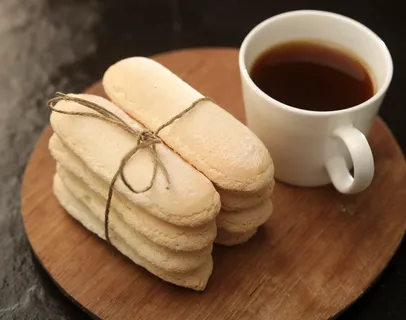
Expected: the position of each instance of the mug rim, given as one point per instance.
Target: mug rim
(379, 93)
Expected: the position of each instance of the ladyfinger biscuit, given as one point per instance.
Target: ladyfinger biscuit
(236, 201)
(208, 137)
(158, 231)
(196, 279)
(169, 260)
(188, 200)
(245, 220)
(227, 238)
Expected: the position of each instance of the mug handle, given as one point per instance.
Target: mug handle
(362, 159)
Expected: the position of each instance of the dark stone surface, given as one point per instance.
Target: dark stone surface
(65, 45)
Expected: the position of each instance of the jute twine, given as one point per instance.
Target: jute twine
(145, 139)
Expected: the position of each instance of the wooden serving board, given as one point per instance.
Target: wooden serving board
(319, 251)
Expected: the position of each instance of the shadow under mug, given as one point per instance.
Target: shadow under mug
(314, 148)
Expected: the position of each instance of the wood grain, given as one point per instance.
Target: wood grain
(316, 255)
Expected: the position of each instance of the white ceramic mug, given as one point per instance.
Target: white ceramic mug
(312, 148)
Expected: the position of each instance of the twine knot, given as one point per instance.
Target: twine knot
(149, 138)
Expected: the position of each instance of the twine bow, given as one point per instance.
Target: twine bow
(146, 139)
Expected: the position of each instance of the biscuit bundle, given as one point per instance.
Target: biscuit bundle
(160, 172)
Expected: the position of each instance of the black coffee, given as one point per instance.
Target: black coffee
(312, 76)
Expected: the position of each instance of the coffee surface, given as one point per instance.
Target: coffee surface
(312, 76)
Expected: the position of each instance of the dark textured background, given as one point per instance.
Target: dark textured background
(65, 45)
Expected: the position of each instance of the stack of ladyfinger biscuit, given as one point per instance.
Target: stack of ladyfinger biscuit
(169, 232)
(221, 175)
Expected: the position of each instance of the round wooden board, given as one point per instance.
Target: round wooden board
(319, 251)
